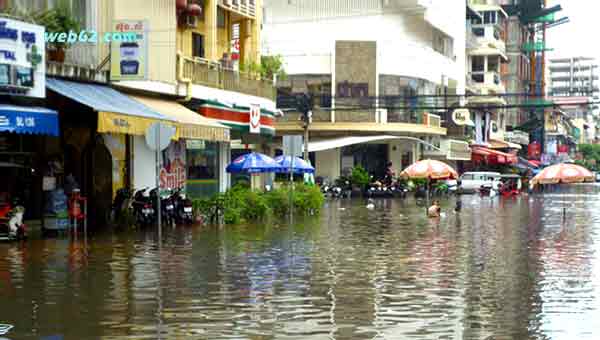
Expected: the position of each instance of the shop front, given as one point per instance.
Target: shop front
(196, 161)
(29, 133)
(252, 127)
(103, 141)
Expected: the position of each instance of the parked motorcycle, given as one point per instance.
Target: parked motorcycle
(143, 209)
(12, 227)
(120, 204)
(184, 211)
(167, 207)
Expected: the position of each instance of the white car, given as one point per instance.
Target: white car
(470, 182)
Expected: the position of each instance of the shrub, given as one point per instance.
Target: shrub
(360, 176)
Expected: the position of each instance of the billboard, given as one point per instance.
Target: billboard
(22, 61)
(129, 57)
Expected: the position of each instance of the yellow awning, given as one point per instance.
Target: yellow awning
(111, 122)
(190, 125)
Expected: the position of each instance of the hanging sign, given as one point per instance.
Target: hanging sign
(129, 56)
(462, 117)
(173, 170)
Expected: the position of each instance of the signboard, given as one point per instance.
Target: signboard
(235, 49)
(462, 117)
(254, 118)
(292, 145)
(173, 172)
(129, 59)
(22, 64)
(158, 136)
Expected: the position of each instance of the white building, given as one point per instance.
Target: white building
(377, 66)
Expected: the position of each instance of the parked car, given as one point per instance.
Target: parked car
(597, 176)
(470, 182)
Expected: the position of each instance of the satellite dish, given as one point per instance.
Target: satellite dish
(159, 135)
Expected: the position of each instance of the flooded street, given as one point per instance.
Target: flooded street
(501, 269)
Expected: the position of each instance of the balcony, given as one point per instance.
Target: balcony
(246, 8)
(488, 36)
(212, 74)
(372, 120)
(486, 82)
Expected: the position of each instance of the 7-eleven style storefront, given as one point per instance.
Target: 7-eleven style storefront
(244, 121)
(252, 129)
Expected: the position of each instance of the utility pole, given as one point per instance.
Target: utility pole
(304, 103)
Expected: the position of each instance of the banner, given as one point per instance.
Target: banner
(129, 57)
(173, 173)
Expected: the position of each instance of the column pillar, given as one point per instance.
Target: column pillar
(211, 30)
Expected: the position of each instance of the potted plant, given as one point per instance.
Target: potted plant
(56, 21)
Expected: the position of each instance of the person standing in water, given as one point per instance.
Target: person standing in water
(434, 210)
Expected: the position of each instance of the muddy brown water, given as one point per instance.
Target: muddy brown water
(501, 269)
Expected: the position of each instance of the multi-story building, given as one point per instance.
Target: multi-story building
(573, 85)
(377, 70)
(191, 65)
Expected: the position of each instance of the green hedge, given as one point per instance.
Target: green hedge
(240, 204)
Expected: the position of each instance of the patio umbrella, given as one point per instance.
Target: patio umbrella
(429, 169)
(300, 165)
(563, 173)
(253, 163)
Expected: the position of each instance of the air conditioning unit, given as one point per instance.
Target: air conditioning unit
(191, 21)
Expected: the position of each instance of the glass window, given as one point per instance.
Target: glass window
(202, 160)
(221, 20)
(467, 177)
(489, 17)
(197, 45)
(477, 64)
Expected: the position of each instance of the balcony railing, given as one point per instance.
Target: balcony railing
(244, 7)
(212, 74)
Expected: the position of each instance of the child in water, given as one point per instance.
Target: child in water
(434, 210)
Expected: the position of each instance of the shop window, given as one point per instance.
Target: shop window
(197, 45)
(202, 160)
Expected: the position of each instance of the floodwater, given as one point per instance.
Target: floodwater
(501, 269)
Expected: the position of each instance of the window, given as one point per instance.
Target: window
(477, 64)
(489, 17)
(202, 160)
(197, 45)
(221, 19)
(467, 177)
(479, 31)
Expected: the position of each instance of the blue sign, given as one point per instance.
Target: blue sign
(8, 33)
(34, 120)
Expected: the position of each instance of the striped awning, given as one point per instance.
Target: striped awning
(117, 113)
(190, 125)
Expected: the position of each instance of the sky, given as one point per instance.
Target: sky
(578, 37)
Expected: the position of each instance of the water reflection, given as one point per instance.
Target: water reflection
(501, 269)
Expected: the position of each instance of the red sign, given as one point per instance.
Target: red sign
(174, 177)
(563, 148)
(534, 151)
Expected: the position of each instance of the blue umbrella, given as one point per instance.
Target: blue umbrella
(300, 165)
(253, 163)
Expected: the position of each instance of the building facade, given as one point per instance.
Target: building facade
(381, 83)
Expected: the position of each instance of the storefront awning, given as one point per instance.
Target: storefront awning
(499, 144)
(190, 125)
(493, 157)
(117, 113)
(30, 120)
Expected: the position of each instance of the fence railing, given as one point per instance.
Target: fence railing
(213, 74)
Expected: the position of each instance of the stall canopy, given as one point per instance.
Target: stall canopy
(493, 157)
(29, 120)
(117, 113)
(190, 125)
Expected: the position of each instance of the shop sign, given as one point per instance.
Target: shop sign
(129, 59)
(462, 117)
(254, 118)
(173, 173)
(517, 137)
(195, 144)
(22, 68)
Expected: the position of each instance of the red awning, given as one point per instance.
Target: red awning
(489, 156)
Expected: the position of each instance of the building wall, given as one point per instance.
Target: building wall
(328, 164)
(162, 23)
(404, 40)
(144, 164)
